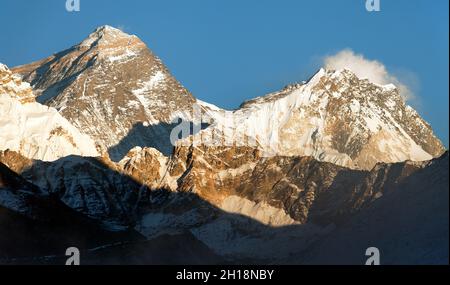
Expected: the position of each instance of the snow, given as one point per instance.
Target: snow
(40, 132)
(104, 33)
(372, 123)
(209, 106)
(239, 237)
(389, 87)
(235, 172)
(261, 212)
(128, 54)
(3, 67)
(147, 86)
(355, 106)
(142, 93)
(133, 104)
(12, 201)
(236, 235)
(153, 223)
(408, 225)
(297, 121)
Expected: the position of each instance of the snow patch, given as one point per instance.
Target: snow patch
(261, 212)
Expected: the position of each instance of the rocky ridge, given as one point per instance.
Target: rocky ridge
(35, 130)
(114, 89)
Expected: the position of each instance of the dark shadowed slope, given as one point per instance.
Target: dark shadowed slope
(33, 224)
(401, 208)
(409, 225)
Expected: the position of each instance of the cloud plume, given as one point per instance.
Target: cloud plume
(364, 68)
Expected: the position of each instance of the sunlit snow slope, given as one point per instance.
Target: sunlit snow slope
(334, 117)
(35, 130)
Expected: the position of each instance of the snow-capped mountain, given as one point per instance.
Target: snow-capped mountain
(275, 210)
(409, 225)
(334, 117)
(37, 224)
(35, 130)
(114, 89)
(277, 207)
(263, 182)
(12, 85)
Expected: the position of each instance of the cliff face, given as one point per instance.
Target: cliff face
(332, 158)
(334, 117)
(34, 130)
(114, 89)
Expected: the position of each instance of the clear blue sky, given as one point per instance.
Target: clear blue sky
(227, 51)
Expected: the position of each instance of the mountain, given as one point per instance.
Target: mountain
(321, 163)
(296, 203)
(408, 225)
(334, 117)
(281, 190)
(247, 208)
(285, 212)
(35, 130)
(37, 225)
(112, 87)
(91, 186)
(12, 85)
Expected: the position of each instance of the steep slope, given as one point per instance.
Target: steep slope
(259, 183)
(113, 88)
(12, 85)
(292, 201)
(93, 187)
(35, 224)
(16, 194)
(274, 190)
(174, 249)
(334, 117)
(271, 212)
(35, 130)
(409, 225)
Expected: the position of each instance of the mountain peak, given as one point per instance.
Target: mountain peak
(116, 77)
(348, 75)
(107, 30)
(108, 36)
(3, 67)
(11, 85)
(34, 130)
(339, 74)
(336, 117)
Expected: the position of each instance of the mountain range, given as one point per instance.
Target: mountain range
(92, 141)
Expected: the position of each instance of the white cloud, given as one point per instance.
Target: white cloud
(123, 28)
(364, 68)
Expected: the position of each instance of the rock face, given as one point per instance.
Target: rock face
(35, 224)
(35, 130)
(311, 164)
(291, 200)
(272, 209)
(243, 181)
(334, 117)
(114, 89)
(408, 224)
(93, 187)
(12, 85)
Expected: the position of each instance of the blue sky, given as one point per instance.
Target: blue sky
(227, 51)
